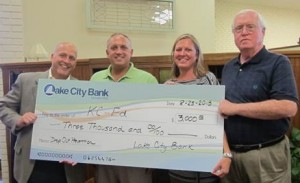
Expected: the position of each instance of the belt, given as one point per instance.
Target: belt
(245, 148)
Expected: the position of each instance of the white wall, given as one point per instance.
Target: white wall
(11, 50)
(49, 22)
(282, 25)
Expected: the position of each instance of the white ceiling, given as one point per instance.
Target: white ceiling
(291, 4)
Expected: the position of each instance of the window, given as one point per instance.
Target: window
(140, 15)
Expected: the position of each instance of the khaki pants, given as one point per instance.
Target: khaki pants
(119, 174)
(267, 165)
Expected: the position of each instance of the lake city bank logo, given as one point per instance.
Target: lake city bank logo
(50, 90)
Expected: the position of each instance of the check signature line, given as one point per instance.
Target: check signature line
(179, 134)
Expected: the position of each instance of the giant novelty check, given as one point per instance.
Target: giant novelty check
(138, 125)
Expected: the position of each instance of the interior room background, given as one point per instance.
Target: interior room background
(26, 23)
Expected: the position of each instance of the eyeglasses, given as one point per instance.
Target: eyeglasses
(249, 28)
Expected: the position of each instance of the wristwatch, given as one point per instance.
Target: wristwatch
(227, 155)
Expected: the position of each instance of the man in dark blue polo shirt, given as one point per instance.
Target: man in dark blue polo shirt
(261, 96)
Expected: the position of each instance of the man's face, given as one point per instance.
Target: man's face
(119, 51)
(64, 61)
(248, 33)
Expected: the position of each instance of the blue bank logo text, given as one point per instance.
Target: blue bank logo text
(50, 89)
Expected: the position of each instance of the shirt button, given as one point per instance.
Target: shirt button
(241, 70)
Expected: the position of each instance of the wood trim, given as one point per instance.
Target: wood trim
(285, 47)
(154, 64)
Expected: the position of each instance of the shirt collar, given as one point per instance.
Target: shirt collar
(129, 74)
(256, 58)
(50, 76)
